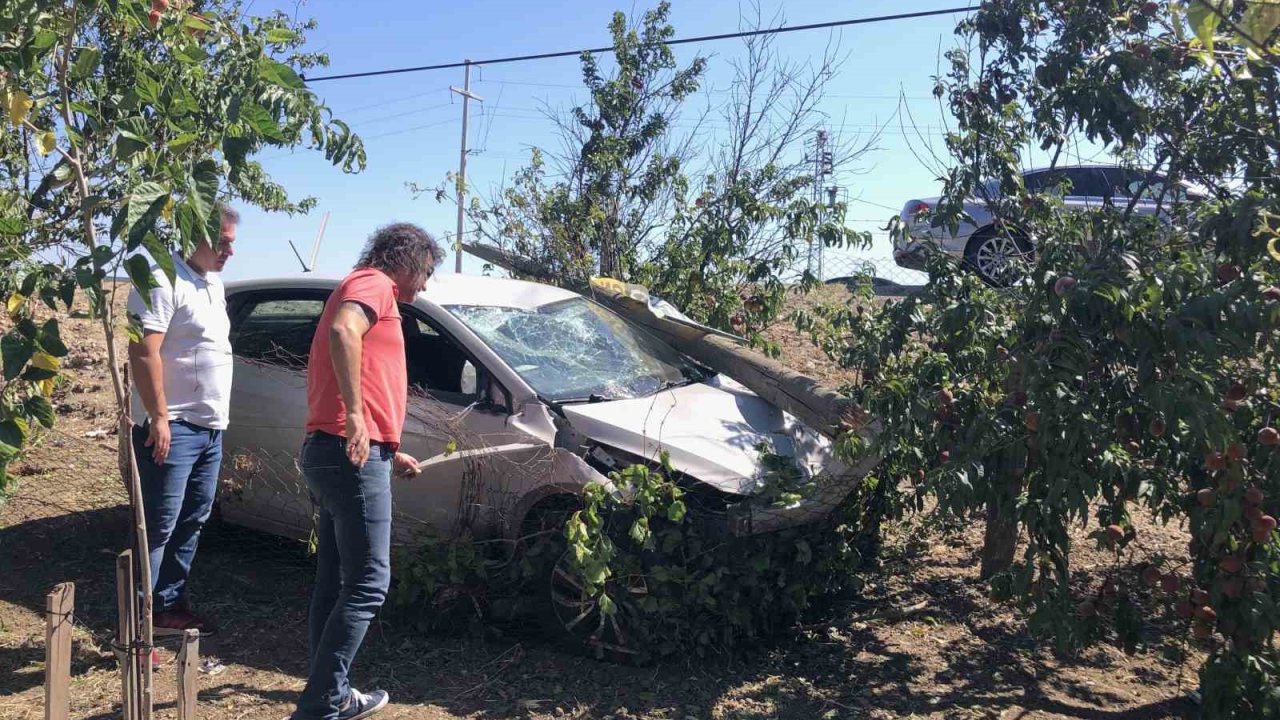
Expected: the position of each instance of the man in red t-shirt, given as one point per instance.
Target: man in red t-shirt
(357, 392)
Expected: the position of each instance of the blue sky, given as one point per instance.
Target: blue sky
(411, 124)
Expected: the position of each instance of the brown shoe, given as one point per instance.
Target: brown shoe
(179, 620)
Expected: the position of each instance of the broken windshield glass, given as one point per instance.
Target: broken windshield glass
(574, 349)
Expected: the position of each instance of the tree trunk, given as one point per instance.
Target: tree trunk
(1000, 541)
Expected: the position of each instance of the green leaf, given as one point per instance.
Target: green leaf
(203, 198)
(135, 128)
(102, 256)
(86, 63)
(148, 89)
(44, 40)
(1261, 18)
(1204, 18)
(161, 255)
(182, 141)
(676, 511)
(13, 432)
(51, 338)
(192, 21)
(134, 138)
(277, 73)
(68, 291)
(259, 118)
(39, 407)
(36, 374)
(145, 203)
(15, 350)
(126, 148)
(12, 226)
(235, 149)
(140, 273)
(191, 54)
(189, 226)
(607, 606)
(281, 35)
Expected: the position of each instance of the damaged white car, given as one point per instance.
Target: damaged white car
(521, 393)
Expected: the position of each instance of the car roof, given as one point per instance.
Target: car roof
(442, 289)
(1077, 166)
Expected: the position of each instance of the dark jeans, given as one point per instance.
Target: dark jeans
(353, 563)
(177, 498)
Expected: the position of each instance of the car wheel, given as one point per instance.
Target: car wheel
(608, 635)
(999, 258)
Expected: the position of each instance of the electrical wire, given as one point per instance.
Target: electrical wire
(679, 41)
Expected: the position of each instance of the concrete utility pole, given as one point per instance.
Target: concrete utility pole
(467, 97)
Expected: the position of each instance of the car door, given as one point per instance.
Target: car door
(271, 332)
(458, 427)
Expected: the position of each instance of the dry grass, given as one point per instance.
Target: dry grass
(962, 657)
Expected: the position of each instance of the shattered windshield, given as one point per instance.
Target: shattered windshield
(575, 350)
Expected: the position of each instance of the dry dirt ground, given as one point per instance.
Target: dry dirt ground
(962, 656)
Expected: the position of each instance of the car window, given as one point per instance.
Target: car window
(414, 325)
(574, 350)
(1149, 187)
(277, 330)
(435, 363)
(1048, 181)
(1088, 182)
(1116, 182)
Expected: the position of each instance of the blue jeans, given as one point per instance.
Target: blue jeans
(353, 563)
(177, 498)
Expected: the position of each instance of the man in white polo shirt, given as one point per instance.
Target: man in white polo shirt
(180, 407)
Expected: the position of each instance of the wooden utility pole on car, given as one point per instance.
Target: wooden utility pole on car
(822, 408)
(467, 97)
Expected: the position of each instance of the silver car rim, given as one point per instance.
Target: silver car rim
(580, 614)
(997, 256)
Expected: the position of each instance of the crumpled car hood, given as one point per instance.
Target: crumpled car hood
(711, 430)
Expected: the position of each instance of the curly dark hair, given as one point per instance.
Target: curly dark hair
(401, 248)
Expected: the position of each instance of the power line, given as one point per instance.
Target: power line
(875, 204)
(392, 101)
(680, 41)
(406, 113)
(715, 91)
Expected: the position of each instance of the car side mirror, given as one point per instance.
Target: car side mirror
(468, 382)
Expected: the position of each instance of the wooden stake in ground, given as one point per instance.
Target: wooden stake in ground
(59, 619)
(143, 633)
(188, 657)
(126, 615)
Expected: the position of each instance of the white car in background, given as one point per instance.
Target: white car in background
(523, 394)
(993, 252)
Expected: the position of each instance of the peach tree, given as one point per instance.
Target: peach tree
(125, 123)
(1128, 366)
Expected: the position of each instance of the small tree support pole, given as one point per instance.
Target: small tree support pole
(59, 618)
(127, 615)
(188, 655)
